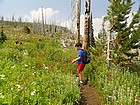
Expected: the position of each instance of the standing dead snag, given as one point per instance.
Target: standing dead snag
(92, 40)
(43, 27)
(86, 42)
(78, 5)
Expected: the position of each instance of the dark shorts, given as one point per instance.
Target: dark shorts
(80, 67)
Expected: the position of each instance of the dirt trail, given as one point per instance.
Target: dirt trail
(90, 96)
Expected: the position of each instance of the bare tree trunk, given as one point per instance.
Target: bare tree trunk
(89, 23)
(43, 27)
(34, 26)
(108, 47)
(92, 40)
(85, 40)
(78, 21)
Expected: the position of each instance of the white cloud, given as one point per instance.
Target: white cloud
(27, 18)
(97, 24)
(36, 15)
(51, 14)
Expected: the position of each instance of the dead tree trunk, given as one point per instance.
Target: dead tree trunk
(78, 21)
(85, 40)
(92, 40)
(43, 27)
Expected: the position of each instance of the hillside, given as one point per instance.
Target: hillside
(36, 70)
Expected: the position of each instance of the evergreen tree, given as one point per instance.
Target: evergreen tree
(2, 37)
(126, 36)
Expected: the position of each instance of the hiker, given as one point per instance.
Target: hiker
(80, 62)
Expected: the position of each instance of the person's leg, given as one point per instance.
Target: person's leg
(80, 69)
(80, 76)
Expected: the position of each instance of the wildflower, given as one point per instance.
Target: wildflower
(33, 83)
(25, 53)
(34, 73)
(111, 79)
(111, 97)
(46, 67)
(51, 66)
(109, 74)
(2, 76)
(26, 65)
(1, 95)
(33, 92)
(13, 67)
(19, 87)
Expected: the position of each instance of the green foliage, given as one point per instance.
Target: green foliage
(32, 73)
(117, 85)
(127, 36)
(39, 71)
(2, 37)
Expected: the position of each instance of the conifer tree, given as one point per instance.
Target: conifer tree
(126, 36)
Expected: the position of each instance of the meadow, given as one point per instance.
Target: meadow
(36, 70)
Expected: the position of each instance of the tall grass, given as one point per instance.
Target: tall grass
(117, 85)
(35, 70)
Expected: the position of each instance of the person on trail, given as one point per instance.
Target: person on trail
(80, 62)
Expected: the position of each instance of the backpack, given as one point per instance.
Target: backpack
(86, 56)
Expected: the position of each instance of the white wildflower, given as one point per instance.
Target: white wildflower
(1, 95)
(34, 73)
(111, 97)
(19, 87)
(25, 53)
(26, 65)
(12, 89)
(33, 92)
(13, 67)
(2, 76)
(46, 67)
(33, 83)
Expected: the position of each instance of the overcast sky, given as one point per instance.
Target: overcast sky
(55, 10)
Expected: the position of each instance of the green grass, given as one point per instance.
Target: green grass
(37, 70)
(117, 85)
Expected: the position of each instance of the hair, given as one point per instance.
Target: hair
(78, 45)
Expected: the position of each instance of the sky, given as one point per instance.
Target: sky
(56, 11)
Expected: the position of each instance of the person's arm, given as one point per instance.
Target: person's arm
(74, 60)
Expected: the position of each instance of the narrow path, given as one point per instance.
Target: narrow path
(90, 96)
